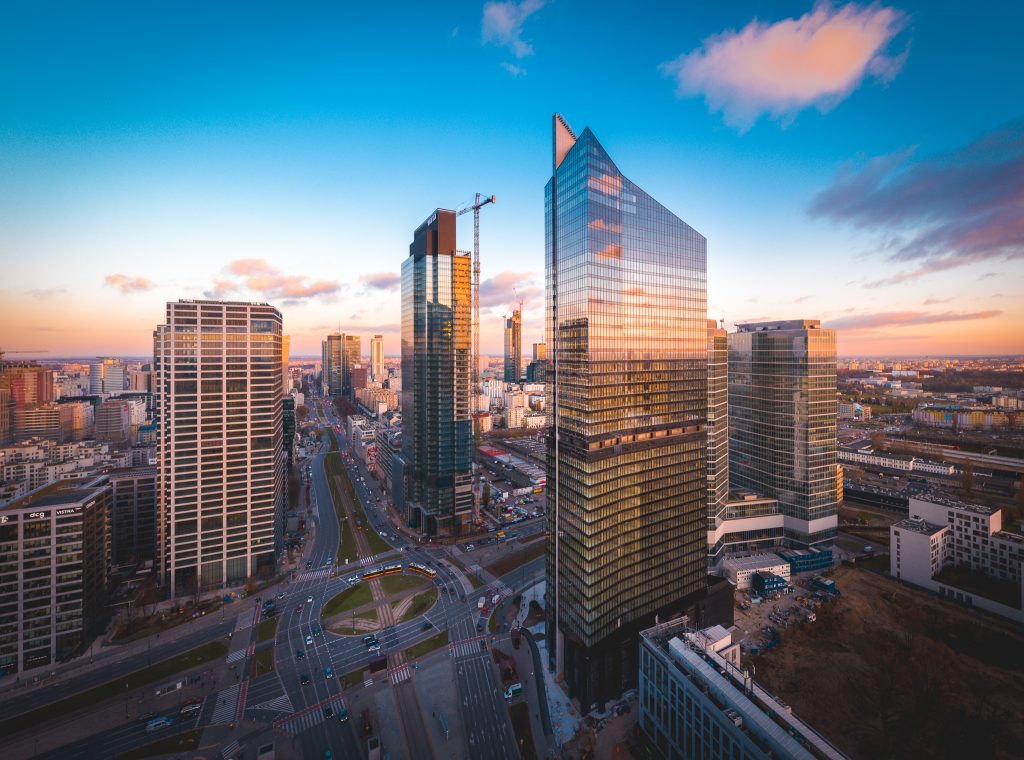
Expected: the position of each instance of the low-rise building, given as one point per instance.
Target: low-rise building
(697, 702)
(740, 570)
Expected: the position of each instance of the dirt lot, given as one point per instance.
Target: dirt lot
(890, 672)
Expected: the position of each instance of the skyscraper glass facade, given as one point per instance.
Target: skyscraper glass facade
(626, 336)
(332, 365)
(782, 422)
(718, 423)
(514, 347)
(437, 432)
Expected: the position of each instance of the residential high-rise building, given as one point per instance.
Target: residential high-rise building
(718, 422)
(377, 359)
(221, 465)
(106, 376)
(29, 384)
(332, 365)
(437, 344)
(351, 352)
(113, 421)
(53, 559)
(514, 347)
(5, 415)
(141, 380)
(782, 422)
(626, 330)
(539, 352)
(286, 383)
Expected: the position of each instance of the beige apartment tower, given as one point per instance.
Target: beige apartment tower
(218, 378)
(377, 358)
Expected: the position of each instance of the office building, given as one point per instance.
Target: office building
(359, 379)
(718, 423)
(332, 365)
(782, 423)
(218, 375)
(539, 352)
(696, 702)
(141, 380)
(437, 344)
(29, 384)
(350, 359)
(627, 346)
(53, 572)
(377, 373)
(114, 422)
(514, 347)
(106, 376)
(288, 426)
(133, 515)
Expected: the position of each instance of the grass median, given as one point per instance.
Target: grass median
(347, 600)
(429, 645)
(420, 604)
(117, 687)
(186, 742)
(263, 661)
(266, 629)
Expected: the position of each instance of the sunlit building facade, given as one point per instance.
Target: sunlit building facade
(718, 423)
(782, 422)
(377, 373)
(331, 364)
(221, 461)
(514, 347)
(437, 432)
(351, 347)
(626, 340)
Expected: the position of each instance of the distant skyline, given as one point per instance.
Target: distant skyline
(843, 164)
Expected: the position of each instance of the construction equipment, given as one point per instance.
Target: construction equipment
(479, 202)
(23, 351)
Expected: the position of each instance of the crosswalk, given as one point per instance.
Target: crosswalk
(277, 704)
(229, 750)
(244, 621)
(501, 588)
(400, 674)
(308, 718)
(367, 683)
(312, 575)
(227, 704)
(467, 647)
(363, 562)
(235, 656)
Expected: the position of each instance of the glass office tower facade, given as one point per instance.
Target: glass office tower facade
(331, 348)
(514, 347)
(351, 355)
(718, 423)
(626, 337)
(437, 341)
(782, 422)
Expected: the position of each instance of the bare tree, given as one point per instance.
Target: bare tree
(967, 478)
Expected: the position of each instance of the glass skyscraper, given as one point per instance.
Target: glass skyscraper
(514, 347)
(782, 422)
(718, 423)
(626, 337)
(437, 343)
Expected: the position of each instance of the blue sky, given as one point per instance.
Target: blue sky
(146, 149)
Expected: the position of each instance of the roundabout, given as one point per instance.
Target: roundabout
(400, 597)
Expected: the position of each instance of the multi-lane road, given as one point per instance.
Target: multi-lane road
(302, 651)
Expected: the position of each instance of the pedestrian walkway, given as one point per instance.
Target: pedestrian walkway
(501, 588)
(466, 647)
(229, 750)
(238, 654)
(312, 575)
(311, 716)
(226, 706)
(400, 674)
(279, 704)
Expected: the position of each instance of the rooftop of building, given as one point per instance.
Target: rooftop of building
(70, 491)
(917, 525)
(753, 562)
(948, 500)
(764, 715)
(783, 324)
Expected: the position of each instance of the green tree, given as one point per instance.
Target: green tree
(967, 478)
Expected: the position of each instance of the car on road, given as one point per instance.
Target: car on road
(157, 723)
(470, 547)
(328, 673)
(309, 639)
(280, 596)
(299, 608)
(309, 599)
(316, 630)
(304, 679)
(328, 712)
(425, 627)
(300, 654)
(353, 579)
(342, 714)
(309, 565)
(383, 534)
(373, 647)
(483, 644)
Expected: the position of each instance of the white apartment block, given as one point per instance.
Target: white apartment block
(218, 380)
(943, 531)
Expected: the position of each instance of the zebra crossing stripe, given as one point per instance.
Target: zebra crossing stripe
(279, 704)
(238, 654)
(226, 705)
(400, 674)
(228, 750)
(367, 683)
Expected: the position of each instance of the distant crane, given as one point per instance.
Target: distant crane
(475, 207)
(24, 351)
